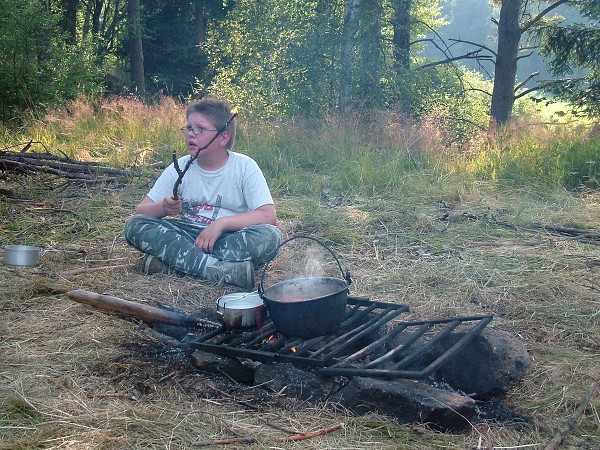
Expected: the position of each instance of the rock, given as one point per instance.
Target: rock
(293, 382)
(408, 401)
(491, 364)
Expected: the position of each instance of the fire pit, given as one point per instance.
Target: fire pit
(375, 361)
(371, 341)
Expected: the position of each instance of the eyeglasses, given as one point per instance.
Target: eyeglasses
(196, 130)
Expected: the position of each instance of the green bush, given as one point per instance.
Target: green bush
(38, 70)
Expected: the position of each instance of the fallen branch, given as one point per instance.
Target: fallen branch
(241, 440)
(559, 437)
(590, 236)
(567, 231)
(303, 436)
(250, 440)
(119, 396)
(64, 167)
(241, 402)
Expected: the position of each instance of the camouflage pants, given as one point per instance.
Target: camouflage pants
(172, 241)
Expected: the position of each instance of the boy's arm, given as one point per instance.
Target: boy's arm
(167, 207)
(263, 214)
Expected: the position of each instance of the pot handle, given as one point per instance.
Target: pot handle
(345, 274)
(220, 311)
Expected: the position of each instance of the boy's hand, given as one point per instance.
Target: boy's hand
(207, 238)
(171, 206)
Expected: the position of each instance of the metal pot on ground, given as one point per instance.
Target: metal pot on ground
(309, 306)
(22, 255)
(242, 310)
(28, 255)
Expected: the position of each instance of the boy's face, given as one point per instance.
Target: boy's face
(207, 130)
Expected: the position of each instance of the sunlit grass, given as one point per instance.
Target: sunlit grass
(527, 153)
(369, 154)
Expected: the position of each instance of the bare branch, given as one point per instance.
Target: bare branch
(475, 44)
(434, 42)
(438, 36)
(470, 55)
(520, 85)
(462, 119)
(525, 56)
(480, 90)
(545, 84)
(541, 15)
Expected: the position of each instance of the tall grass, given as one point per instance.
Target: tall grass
(526, 153)
(116, 131)
(364, 153)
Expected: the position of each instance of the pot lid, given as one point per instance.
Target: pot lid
(240, 300)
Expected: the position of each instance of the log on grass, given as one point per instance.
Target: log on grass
(146, 313)
(60, 166)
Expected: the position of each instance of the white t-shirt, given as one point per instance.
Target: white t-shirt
(237, 187)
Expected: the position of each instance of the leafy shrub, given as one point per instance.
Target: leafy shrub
(38, 70)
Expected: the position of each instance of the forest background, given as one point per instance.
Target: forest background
(372, 120)
(284, 58)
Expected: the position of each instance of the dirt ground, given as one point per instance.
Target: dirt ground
(74, 377)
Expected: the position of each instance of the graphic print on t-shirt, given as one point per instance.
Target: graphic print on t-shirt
(201, 212)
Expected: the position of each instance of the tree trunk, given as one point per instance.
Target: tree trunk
(43, 44)
(351, 10)
(401, 38)
(199, 26)
(505, 75)
(96, 13)
(136, 53)
(370, 50)
(69, 24)
(87, 19)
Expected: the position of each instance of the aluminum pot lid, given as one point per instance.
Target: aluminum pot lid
(240, 300)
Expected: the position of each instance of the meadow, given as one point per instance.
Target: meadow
(449, 225)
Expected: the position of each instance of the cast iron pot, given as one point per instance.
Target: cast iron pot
(307, 307)
(242, 310)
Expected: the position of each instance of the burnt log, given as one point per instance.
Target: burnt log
(408, 401)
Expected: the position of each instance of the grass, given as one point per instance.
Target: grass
(75, 377)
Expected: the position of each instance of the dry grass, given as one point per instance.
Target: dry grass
(77, 378)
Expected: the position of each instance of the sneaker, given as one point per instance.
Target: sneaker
(239, 274)
(151, 265)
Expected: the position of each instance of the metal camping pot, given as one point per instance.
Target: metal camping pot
(22, 255)
(241, 310)
(307, 307)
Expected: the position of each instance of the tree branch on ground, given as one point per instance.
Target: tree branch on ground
(63, 167)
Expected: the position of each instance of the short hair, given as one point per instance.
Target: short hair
(217, 112)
